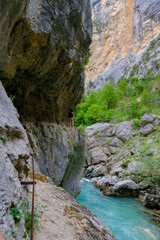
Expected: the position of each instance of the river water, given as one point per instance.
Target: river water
(124, 216)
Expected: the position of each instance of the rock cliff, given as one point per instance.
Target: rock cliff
(122, 30)
(59, 152)
(42, 48)
(14, 158)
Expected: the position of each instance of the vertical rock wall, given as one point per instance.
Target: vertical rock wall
(60, 153)
(14, 158)
(121, 28)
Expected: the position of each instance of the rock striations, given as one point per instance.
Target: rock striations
(60, 153)
(14, 156)
(122, 31)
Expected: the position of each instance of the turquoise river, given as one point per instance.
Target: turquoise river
(124, 216)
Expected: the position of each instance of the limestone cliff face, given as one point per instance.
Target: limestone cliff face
(42, 48)
(60, 153)
(14, 158)
(121, 29)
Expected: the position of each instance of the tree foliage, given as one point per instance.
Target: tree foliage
(127, 99)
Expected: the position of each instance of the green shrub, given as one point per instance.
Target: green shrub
(125, 164)
(72, 155)
(26, 210)
(82, 128)
(134, 70)
(92, 114)
(133, 108)
(146, 56)
(4, 139)
(136, 123)
(53, 177)
(91, 84)
(15, 212)
(23, 210)
(146, 98)
(109, 115)
(152, 44)
(86, 60)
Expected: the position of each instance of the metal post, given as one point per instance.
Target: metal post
(32, 216)
(30, 183)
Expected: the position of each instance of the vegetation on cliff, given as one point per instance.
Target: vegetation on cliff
(116, 102)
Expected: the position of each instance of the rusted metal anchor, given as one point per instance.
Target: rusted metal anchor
(31, 183)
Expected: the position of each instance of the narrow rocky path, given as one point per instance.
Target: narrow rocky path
(63, 218)
(54, 224)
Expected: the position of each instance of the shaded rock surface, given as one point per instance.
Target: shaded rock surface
(60, 153)
(124, 161)
(150, 199)
(42, 48)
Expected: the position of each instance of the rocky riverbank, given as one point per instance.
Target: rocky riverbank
(123, 159)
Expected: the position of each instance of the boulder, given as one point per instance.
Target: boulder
(145, 120)
(156, 122)
(126, 184)
(123, 188)
(97, 155)
(114, 142)
(131, 166)
(119, 187)
(150, 200)
(116, 171)
(101, 129)
(124, 131)
(147, 129)
(105, 182)
(99, 170)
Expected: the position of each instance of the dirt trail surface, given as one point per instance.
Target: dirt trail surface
(64, 218)
(54, 223)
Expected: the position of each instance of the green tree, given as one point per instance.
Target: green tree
(133, 108)
(108, 96)
(93, 114)
(123, 86)
(145, 98)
